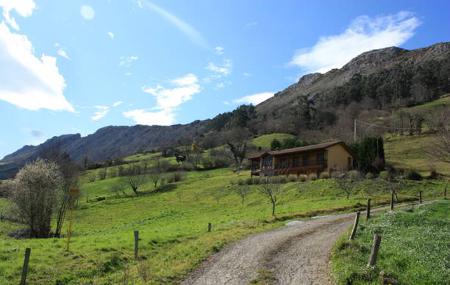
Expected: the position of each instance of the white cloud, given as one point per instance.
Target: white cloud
(181, 25)
(127, 61)
(103, 110)
(219, 50)
(22, 7)
(87, 12)
(167, 101)
(27, 81)
(100, 113)
(63, 53)
(143, 117)
(111, 35)
(364, 34)
(221, 70)
(254, 99)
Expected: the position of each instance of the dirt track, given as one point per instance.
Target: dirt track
(295, 254)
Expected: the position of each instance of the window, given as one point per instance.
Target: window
(305, 160)
(255, 164)
(320, 156)
(267, 162)
(296, 161)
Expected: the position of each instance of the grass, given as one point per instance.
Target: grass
(265, 140)
(414, 248)
(410, 152)
(173, 227)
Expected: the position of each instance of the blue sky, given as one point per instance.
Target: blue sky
(76, 66)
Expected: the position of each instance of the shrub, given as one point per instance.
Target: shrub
(175, 177)
(370, 175)
(354, 174)
(324, 175)
(292, 178)
(249, 181)
(240, 182)
(413, 175)
(36, 195)
(385, 175)
(256, 180)
(433, 174)
(279, 179)
(312, 176)
(302, 178)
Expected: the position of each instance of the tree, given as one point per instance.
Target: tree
(275, 144)
(118, 188)
(70, 173)
(36, 195)
(370, 154)
(237, 140)
(136, 181)
(241, 190)
(440, 147)
(271, 191)
(346, 181)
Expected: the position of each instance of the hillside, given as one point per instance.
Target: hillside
(315, 107)
(172, 220)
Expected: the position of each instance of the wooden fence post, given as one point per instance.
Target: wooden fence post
(136, 244)
(374, 251)
(26, 260)
(420, 197)
(355, 226)
(392, 201)
(368, 209)
(445, 192)
(209, 227)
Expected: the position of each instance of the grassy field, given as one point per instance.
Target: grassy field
(414, 249)
(410, 152)
(265, 140)
(173, 227)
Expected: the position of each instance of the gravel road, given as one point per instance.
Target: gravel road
(295, 254)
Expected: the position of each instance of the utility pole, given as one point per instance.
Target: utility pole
(354, 130)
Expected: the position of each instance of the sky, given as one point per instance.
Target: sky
(77, 66)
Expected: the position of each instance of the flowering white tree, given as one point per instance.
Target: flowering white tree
(38, 190)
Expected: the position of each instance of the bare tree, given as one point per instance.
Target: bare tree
(38, 186)
(118, 188)
(242, 191)
(237, 141)
(271, 191)
(346, 181)
(136, 181)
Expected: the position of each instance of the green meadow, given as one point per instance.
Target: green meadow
(172, 221)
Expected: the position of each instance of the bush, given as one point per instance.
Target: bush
(324, 175)
(354, 174)
(384, 175)
(433, 174)
(256, 180)
(240, 182)
(292, 178)
(302, 177)
(413, 175)
(175, 177)
(279, 179)
(312, 176)
(370, 175)
(249, 181)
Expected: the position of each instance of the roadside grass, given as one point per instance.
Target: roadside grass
(173, 227)
(415, 247)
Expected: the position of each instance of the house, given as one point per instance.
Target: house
(324, 157)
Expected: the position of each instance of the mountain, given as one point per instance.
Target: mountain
(382, 79)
